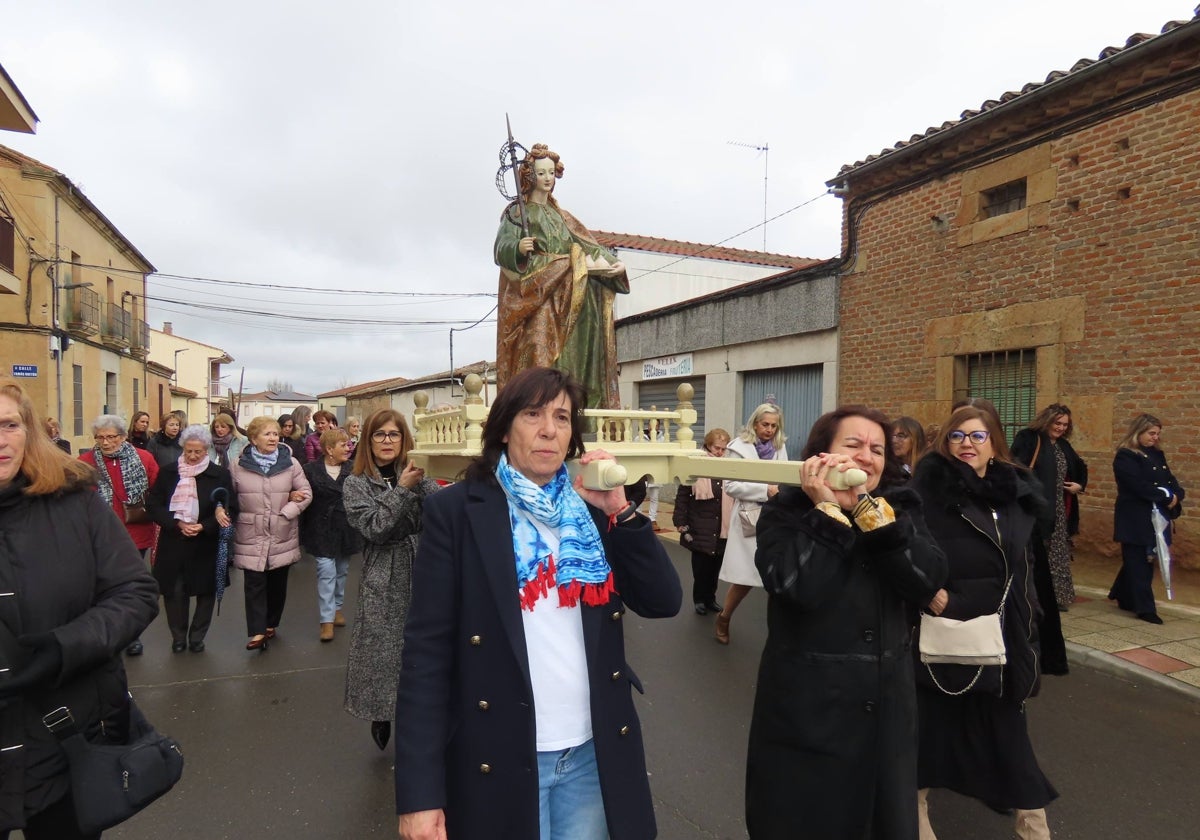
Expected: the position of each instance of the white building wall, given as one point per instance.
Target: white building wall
(657, 280)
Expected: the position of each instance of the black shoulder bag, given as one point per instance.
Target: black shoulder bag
(112, 782)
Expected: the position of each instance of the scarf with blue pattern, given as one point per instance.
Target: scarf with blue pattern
(580, 570)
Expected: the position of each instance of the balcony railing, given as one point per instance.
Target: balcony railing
(81, 311)
(659, 443)
(140, 337)
(117, 329)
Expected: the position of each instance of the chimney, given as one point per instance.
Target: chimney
(167, 328)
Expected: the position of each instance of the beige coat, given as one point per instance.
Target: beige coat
(267, 535)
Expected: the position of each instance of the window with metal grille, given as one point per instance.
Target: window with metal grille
(1008, 378)
(77, 397)
(1006, 198)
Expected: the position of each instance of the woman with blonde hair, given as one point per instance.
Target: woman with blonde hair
(227, 444)
(383, 499)
(1144, 484)
(164, 444)
(79, 594)
(761, 439)
(272, 492)
(703, 529)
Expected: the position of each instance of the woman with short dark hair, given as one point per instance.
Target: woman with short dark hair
(844, 574)
(325, 533)
(164, 444)
(514, 652)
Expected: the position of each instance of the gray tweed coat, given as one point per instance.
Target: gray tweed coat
(389, 520)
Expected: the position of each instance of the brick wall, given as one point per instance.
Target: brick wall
(1115, 240)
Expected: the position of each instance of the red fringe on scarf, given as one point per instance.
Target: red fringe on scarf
(569, 593)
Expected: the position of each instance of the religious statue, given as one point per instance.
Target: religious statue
(557, 284)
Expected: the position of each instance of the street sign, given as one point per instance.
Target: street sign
(29, 371)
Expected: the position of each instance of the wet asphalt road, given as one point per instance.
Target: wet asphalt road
(270, 752)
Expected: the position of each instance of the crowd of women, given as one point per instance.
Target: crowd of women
(856, 717)
(854, 722)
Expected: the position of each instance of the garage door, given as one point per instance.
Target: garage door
(796, 390)
(660, 393)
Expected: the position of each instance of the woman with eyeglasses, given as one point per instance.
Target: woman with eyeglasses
(982, 509)
(1144, 484)
(126, 475)
(383, 497)
(908, 441)
(1044, 448)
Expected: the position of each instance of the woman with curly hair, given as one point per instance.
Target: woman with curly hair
(557, 285)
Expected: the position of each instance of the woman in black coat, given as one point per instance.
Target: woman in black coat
(1144, 483)
(982, 510)
(496, 663)
(833, 737)
(164, 444)
(1045, 448)
(186, 563)
(324, 531)
(82, 593)
(697, 516)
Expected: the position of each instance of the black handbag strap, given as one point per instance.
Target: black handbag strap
(61, 723)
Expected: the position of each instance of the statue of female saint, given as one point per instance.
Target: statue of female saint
(556, 289)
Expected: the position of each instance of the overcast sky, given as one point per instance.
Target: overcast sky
(353, 145)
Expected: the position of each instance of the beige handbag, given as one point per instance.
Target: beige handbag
(977, 641)
(748, 517)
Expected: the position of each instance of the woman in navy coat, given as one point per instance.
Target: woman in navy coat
(1144, 482)
(514, 674)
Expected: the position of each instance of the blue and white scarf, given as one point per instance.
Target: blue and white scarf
(263, 460)
(580, 569)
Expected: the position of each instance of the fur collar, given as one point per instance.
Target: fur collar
(948, 483)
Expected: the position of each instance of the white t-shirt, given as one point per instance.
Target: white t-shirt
(557, 668)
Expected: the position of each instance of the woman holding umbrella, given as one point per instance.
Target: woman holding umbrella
(1144, 484)
(182, 503)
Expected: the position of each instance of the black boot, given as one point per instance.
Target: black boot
(381, 731)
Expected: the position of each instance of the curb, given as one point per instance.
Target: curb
(1115, 666)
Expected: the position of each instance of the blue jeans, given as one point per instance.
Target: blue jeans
(569, 800)
(331, 585)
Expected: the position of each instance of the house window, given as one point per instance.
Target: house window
(77, 397)
(1006, 198)
(136, 401)
(8, 252)
(1008, 378)
(110, 393)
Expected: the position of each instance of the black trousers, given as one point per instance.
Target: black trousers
(1054, 647)
(705, 568)
(1133, 589)
(266, 593)
(176, 604)
(55, 823)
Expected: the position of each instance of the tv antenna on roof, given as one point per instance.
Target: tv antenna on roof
(766, 156)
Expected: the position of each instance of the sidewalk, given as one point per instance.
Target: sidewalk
(1101, 636)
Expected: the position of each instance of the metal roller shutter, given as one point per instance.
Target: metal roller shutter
(660, 393)
(796, 390)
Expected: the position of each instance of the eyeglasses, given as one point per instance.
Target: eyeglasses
(978, 436)
(108, 438)
(900, 435)
(380, 437)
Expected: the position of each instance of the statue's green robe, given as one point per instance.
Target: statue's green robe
(551, 312)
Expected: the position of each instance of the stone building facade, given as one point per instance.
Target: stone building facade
(1045, 248)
